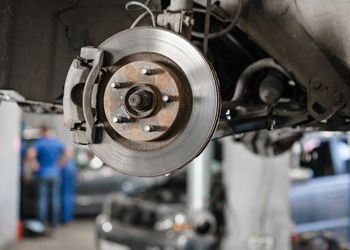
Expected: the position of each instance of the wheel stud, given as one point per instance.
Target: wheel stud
(150, 128)
(119, 119)
(146, 71)
(166, 98)
(116, 85)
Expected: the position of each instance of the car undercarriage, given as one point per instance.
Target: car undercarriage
(152, 83)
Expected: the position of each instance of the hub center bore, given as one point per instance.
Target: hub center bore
(141, 101)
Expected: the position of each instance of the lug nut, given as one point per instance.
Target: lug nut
(166, 98)
(149, 128)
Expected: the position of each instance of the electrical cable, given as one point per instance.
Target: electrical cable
(218, 17)
(222, 32)
(138, 19)
(206, 27)
(231, 38)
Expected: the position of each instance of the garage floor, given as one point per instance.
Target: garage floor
(76, 236)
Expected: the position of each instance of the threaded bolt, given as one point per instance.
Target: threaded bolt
(149, 128)
(166, 98)
(116, 85)
(146, 71)
(119, 119)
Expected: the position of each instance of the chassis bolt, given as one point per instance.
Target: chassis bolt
(149, 128)
(316, 84)
(336, 96)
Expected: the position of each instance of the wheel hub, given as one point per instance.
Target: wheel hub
(142, 100)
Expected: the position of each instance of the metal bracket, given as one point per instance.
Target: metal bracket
(324, 100)
(96, 57)
(73, 111)
(179, 22)
(78, 89)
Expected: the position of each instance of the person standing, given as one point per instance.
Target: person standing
(23, 176)
(68, 173)
(45, 156)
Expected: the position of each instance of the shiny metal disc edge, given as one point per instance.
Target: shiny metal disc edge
(205, 110)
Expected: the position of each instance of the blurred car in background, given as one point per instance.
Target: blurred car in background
(320, 195)
(95, 180)
(158, 218)
(317, 241)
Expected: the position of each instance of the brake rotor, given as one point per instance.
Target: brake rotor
(158, 102)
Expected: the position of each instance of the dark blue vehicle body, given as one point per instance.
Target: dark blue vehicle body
(322, 202)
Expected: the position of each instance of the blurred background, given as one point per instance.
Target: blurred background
(228, 198)
(258, 191)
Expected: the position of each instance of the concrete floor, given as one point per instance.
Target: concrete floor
(77, 236)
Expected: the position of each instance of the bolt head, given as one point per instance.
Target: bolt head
(316, 84)
(336, 97)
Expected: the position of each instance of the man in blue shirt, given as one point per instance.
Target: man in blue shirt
(68, 174)
(46, 155)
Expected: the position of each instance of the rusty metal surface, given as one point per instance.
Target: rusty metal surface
(199, 105)
(162, 81)
(183, 114)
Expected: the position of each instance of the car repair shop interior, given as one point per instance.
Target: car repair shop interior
(175, 124)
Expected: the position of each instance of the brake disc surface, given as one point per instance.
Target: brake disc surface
(158, 102)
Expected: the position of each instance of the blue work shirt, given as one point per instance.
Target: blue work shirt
(23, 155)
(49, 152)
